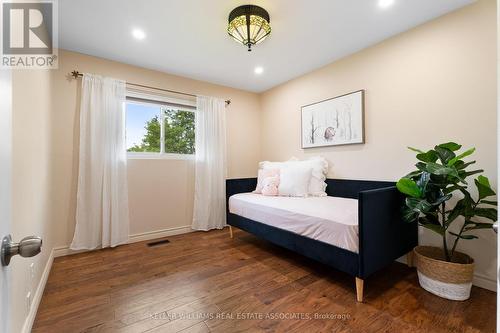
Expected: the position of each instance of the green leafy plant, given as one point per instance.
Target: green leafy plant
(441, 173)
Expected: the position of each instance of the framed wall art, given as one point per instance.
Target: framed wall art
(335, 121)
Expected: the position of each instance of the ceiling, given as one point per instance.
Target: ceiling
(188, 37)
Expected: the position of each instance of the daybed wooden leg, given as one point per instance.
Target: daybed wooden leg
(359, 289)
(409, 259)
(231, 232)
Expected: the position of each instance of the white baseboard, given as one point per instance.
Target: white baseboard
(65, 250)
(30, 319)
(61, 251)
(485, 282)
(160, 234)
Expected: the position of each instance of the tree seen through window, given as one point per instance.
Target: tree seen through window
(178, 127)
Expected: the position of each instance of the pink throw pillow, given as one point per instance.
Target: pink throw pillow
(270, 186)
(263, 174)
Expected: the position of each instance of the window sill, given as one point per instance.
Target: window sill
(159, 156)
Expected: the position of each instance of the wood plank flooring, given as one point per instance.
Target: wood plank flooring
(207, 282)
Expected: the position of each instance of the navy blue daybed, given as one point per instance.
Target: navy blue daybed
(383, 236)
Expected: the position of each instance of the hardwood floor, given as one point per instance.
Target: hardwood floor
(207, 282)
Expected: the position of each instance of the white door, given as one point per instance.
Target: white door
(5, 187)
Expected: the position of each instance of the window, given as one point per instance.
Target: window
(158, 128)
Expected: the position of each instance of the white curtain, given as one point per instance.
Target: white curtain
(102, 199)
(210, 164)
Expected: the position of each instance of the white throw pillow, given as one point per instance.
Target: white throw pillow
(294, 181)
(319, 166)
(274, 165)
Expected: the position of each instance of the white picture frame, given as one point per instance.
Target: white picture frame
(334, 122)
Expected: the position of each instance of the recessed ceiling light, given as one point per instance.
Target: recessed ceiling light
(258, 70)
(385, 3)
(138, 34)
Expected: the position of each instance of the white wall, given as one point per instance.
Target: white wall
(432, 84)
(160, 195)
(161, 192)
(32, 183)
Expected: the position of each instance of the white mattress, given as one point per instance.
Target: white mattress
(328, 219)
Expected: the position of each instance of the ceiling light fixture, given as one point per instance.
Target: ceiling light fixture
(138, 34)
(249, 25)
(258, 70)
(385, 3)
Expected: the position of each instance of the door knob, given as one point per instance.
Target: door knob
(495, 227)
(28, 247)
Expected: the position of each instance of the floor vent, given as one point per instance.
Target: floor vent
(158, 243)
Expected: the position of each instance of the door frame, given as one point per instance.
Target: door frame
(5, 189)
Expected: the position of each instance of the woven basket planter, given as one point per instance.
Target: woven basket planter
(451, 280)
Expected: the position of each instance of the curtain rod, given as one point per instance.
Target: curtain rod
(76, 74)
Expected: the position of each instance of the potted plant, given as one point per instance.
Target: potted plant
(442, 174)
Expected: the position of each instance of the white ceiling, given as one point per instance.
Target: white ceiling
(188, 37)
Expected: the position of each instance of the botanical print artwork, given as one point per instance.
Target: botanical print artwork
(337, 121)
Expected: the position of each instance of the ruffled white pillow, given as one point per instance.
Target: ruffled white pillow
(319, 167)
(319, 171)
(294, 180)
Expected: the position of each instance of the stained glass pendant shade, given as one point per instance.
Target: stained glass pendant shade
(249, 25)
